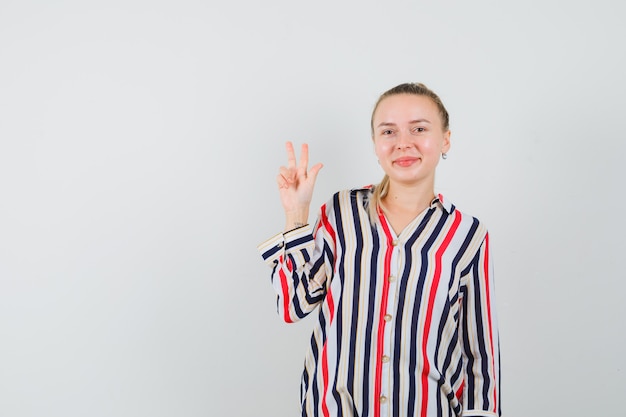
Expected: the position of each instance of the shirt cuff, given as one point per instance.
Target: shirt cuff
(293, 241)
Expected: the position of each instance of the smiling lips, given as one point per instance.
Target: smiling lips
(406, 161)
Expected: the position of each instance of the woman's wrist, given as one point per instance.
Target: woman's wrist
(293, 226)
(296, 218)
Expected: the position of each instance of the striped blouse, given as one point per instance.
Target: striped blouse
(406, 325)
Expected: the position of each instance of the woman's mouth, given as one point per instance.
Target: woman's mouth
(405, 161)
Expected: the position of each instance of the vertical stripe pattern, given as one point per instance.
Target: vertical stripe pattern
(406, 323)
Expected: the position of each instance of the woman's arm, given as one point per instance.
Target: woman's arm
(296, 256)
(479, 330)
(301, 263)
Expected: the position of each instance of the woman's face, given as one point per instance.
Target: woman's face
(409, 138)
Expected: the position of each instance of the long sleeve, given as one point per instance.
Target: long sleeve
(301, 264)
(406, 323)
(479, 330)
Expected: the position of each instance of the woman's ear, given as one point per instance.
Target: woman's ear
(446, 142)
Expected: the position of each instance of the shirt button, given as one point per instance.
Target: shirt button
(394, 243)
(387, 317)
(383, 399)
(385, 359)
(280, 245)
(392, 279)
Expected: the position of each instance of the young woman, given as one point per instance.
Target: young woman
(402, 279)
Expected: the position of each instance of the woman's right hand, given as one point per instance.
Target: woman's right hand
(296, 184)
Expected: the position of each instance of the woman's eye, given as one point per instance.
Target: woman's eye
(387, 132)
(419, 129)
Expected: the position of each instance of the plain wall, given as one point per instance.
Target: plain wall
(139, 144)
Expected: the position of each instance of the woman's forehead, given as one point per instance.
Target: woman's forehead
(406, 107)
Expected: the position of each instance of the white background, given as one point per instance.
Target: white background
(139, 143)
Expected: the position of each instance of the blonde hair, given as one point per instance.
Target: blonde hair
(418, 89)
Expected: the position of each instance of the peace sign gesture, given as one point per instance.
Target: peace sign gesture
(296, 185)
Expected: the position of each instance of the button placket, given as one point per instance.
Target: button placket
(388, 318)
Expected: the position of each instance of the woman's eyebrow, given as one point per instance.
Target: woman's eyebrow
(385, 124)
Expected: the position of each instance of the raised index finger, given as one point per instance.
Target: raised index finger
(291, 155)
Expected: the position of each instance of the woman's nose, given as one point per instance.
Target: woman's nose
(404, 140)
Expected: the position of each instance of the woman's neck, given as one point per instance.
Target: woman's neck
(414, 198)
(403, 204)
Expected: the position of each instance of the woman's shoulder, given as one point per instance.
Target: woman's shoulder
(465, 218)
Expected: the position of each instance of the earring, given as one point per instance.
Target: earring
(444, 155)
